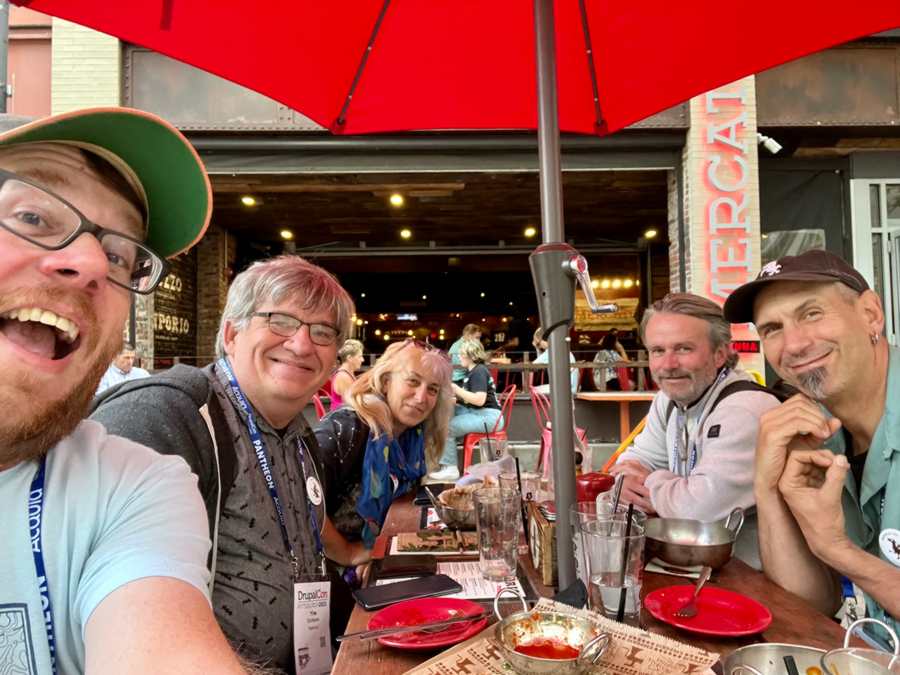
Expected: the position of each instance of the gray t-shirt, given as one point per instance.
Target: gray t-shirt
(252, 596)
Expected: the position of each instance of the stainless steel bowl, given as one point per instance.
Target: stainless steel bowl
(768, 659)
(527, 626)
(687, 543)
(457, 519)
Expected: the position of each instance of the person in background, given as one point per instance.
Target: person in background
(104, 541)
(239, 424)
(477, 408)
(122, 369)
(543, 356)
(611, 351)
(471, 331)
(694, 458)
(350, 358)
(391, 428)
(828, 459)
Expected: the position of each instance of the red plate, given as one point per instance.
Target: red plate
(719, 612)
(427, 610)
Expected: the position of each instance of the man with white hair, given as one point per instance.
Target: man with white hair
(239, 424)
(105, 543)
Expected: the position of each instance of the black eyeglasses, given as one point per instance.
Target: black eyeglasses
(285, 325)
(36, 215)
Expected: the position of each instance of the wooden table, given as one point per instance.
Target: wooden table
(794, 620)
(624, 399)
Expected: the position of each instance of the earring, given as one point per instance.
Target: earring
(874, 338)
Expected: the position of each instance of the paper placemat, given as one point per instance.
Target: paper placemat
(632, 651)
(468, 574)
(437, 542)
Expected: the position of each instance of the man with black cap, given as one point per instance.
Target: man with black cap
(105, 541)
(827, 480)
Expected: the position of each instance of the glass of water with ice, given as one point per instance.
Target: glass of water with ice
(614, 562)
(497, 516)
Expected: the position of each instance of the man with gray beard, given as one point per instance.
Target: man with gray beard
(105, 541)
(827, 481)
(694, 458)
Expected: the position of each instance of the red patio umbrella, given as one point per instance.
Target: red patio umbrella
(586, 66)
(470, 64)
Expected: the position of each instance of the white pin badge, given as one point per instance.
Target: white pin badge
(889, 541)
(314, 491)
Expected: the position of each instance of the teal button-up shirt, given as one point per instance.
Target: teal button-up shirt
(877, 505)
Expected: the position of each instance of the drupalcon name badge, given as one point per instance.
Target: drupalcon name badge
(312, 635)
(889, 541)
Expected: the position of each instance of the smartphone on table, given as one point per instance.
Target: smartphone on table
(376, 597)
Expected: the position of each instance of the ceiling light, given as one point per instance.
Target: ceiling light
(482, 294)
(377, 331)
(650, 233)
(617, 283)
(362, 295)
(406, 233)
(530, 231)
(397, 199)
(366, 322)
(424, 297)
(510, 303)
(483, 320)
(359, 322)
(409, 332)
(505, 319)
(604, 283)
(628, 283)
(286, 234)
(595, 283)
(248, 200)
(386, 337)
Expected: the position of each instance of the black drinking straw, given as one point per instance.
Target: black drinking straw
(620, 614)
(522, 505)
(487, 439)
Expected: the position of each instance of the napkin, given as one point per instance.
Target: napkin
(660, 567)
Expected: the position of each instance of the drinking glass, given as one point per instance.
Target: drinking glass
(497, 517)
(614, 562)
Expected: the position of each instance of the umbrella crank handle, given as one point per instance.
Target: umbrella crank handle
(576, 266)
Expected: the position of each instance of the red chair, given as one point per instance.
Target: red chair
(320, 407)
(498, 432)
(541, 406)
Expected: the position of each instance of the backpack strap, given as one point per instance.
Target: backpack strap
(734, 388)
(226, 467)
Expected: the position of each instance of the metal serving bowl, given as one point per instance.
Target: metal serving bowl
(768, 659)
(458, 519)
(687, 543)
(527, 626)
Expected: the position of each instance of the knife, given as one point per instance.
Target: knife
(397, 630)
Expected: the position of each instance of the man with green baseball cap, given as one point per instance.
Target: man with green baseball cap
(104, 569)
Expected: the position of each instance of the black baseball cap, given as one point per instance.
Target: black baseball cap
(153, 156)
(815, 266)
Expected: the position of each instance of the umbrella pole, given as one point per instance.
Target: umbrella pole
(552, 229)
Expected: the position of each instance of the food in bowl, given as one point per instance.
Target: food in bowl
(459, 498)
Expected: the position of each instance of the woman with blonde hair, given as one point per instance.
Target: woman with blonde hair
(379, 445)
(350, 358)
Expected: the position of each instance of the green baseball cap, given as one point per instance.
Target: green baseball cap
(150, 153)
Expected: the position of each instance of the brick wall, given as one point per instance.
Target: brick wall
(215, 260)
(86, 68)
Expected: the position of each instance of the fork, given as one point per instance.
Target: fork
(689, 609)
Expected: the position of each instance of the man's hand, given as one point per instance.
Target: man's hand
(633, 489)
(798, 424)
(811, 485)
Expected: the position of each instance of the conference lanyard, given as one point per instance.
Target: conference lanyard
(35, 522)
(262, 458)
